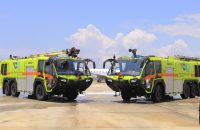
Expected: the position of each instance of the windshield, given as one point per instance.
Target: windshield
(126, 67)
(71, 67)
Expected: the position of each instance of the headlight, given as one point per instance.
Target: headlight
(109, 80)
(134, 80)
(148, 84)
(63, 80)
(87, 80)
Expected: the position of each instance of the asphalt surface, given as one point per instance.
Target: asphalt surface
(97, 109)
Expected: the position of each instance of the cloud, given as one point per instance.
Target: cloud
(187, 25)
(90, 35)
(179, 47)
(99, 46)
(102, 46)
(135, 38)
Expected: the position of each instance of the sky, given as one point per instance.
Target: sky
(100, 28)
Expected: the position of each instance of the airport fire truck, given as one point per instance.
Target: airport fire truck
(44, 75)
(154, 77)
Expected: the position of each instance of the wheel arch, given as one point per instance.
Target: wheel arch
(9, 81)
(36, 82)
(160, 82)
(191, 82)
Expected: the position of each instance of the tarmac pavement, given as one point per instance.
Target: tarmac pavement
(97, 109)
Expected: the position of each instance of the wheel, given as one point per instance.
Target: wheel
(186, 92)
(7, 89)
(40, 93)
(71, 95)
(193, 91)
(14, 91)
(157, 95)
(126, 95)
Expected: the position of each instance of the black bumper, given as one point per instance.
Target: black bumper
(79, 85)
(135, 88)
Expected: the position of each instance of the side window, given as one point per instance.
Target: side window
(40, 65)
(197, 70)
(149, 69)
(49, 69)
(4, 69)
(158, 66)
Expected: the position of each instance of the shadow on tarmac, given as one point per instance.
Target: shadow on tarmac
(147, 101)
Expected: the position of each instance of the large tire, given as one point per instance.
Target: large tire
(126, 95)
(186, 92)
(14, 91)
(71, 95)
(157, 95)
(7, 89)
(40, 93)
(193, 91)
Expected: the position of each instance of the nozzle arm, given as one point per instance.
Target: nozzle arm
(108, 60)
(89, 60)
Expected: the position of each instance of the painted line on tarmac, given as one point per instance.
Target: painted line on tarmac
(100, 93)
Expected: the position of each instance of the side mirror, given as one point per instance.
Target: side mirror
(143, 62)
(89, 60)
(104, 64)
(108, 60)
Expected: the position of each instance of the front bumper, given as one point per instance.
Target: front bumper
(79, 85)
(119, 85)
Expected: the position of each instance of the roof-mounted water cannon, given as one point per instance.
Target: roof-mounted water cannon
(135, 54)
(14, 57)
(133, 51)
(73, 52)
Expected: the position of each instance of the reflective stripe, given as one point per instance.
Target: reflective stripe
(168, 74)
(161, 74)
(192, 75)
(31, 73)
(35, 73)
(38, 73)
(8, 73)
(149, 77)
(48, 76)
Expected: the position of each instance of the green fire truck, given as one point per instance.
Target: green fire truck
(154, 77)
(44, 75)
